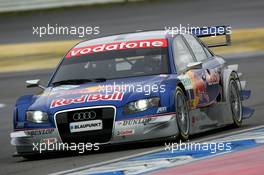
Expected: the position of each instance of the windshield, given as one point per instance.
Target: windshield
(113, 64)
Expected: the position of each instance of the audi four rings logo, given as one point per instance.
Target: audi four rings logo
(84, 115)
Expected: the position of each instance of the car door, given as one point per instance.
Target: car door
(191, 73)
(210, 66)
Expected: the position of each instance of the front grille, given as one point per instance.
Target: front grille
(106, 114)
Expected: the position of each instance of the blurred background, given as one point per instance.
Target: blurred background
(23, 49)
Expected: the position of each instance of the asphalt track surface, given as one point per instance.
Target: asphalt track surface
(14, 29)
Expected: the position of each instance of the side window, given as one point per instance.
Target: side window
(196, 47)
(181, 53)
(209, 54)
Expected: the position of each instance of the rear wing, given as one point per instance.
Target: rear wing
(214, 31)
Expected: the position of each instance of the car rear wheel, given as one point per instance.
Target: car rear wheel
(235, 102)
(182, 114)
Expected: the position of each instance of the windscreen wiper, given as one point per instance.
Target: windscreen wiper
(77, 81)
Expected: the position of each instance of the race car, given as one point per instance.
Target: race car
(132, 87)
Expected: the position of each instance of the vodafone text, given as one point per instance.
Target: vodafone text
(117, 46)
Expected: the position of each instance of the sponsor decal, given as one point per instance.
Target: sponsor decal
(199, 90)
(139, 121)
(186, 81)
(213, 77)
(86, 126)
(49, 140)
(161, 110)
(39, 132)
(152, 43)
(125, 132)
(87, 98)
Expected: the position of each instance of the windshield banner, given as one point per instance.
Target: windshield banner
(139, 44)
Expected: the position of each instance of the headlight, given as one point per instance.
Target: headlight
(37, 116)
(141, 105)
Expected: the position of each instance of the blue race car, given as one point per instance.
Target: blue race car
(131, 87)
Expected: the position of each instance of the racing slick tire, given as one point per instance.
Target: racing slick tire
(182, 114)
(235, 101)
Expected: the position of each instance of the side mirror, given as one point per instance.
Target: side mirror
(34, 83)
(195, 65)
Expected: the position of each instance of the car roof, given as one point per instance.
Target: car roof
(124, 37)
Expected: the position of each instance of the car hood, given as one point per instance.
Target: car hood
(64, 97)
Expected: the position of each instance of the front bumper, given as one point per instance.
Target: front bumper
(132, 130)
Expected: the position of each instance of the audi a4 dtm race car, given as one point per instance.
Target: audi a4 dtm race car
(132, 87)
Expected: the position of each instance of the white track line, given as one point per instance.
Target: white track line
(152, 151)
